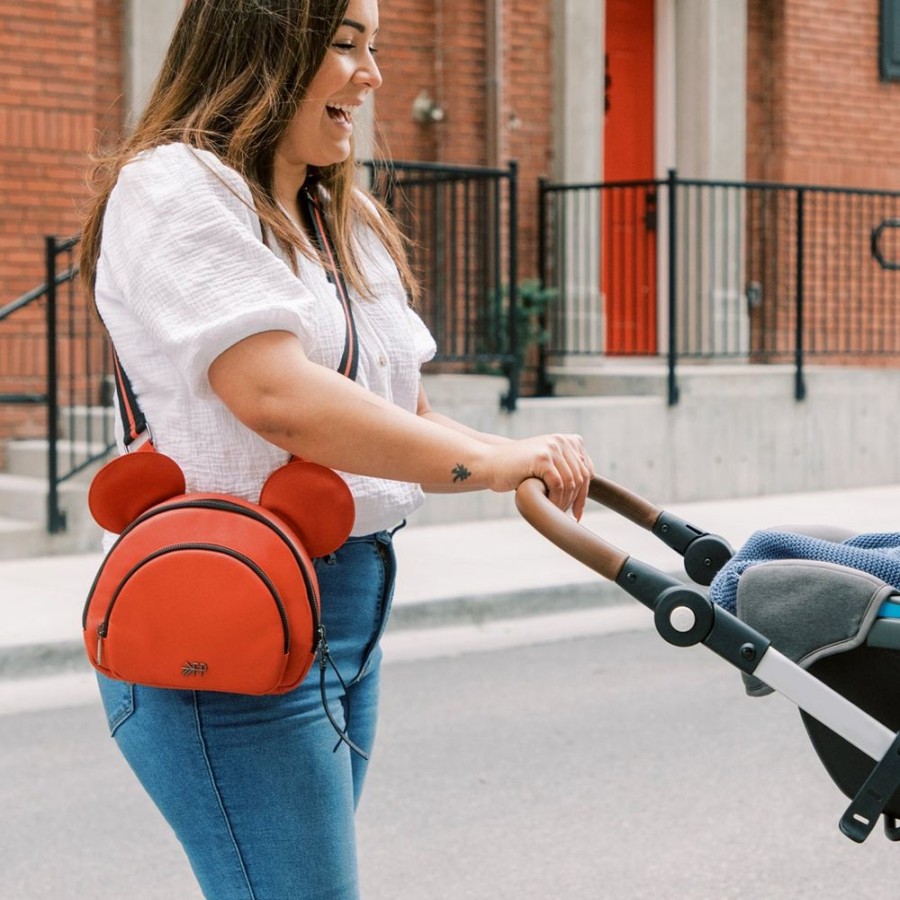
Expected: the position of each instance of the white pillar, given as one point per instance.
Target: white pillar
(711, 88)
(148, 28)
(578, 55)
(710, 143)
(578, 59)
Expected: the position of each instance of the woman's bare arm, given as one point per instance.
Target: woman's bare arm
(424, 410)
(268, 382)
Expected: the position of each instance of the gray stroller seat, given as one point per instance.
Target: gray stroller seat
(842, 625)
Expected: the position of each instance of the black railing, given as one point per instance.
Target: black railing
(54, 354)
(461, 222)
(685, 269)
(674, 269)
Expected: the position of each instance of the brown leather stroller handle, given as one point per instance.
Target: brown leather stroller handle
(624, 502)
(562, 530)
(704, 553)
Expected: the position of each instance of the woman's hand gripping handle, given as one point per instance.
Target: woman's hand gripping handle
(585, 546)
(560, 461)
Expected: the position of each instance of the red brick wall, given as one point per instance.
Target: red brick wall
(406, 55)
(60, 86)
(527, 111)
(818, 113)
(441, 46)
(437, 46)
(764, 72)
(817, 110)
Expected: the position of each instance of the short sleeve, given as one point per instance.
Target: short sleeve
(425, 346)
(182, 245)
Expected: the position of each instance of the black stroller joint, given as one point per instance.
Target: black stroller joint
(823, 634)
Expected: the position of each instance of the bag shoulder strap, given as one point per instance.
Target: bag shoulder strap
(133, 419)
(318, 229)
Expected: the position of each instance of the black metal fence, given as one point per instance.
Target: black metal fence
(461, 222)
(54, 357)
(675, 269)
(690, 270)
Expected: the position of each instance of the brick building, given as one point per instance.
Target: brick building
(577, 90)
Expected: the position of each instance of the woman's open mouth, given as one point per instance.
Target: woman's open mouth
(342, 114)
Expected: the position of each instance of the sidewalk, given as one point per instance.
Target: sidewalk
(449, 574)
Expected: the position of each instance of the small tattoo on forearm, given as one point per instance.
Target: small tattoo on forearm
(460, 473)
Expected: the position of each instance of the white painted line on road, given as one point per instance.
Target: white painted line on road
(73, 689)
(407, 645)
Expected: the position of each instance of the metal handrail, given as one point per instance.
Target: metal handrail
(463, 223)
(58, 470)
(755, 271)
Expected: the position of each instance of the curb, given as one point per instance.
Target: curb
(54, 657)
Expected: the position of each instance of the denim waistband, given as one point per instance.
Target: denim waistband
(380, 536)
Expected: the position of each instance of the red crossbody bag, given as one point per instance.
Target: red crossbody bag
(209, 591)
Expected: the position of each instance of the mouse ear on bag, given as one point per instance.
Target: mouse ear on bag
(314, 500)
(130, 485)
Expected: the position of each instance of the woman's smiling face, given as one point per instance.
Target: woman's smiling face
(321, 130)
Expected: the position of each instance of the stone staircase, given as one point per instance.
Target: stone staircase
(23, 490)
(736, 431)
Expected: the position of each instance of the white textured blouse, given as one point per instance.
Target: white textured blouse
(183, 275)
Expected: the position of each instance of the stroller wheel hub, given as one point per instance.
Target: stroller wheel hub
(683, 616)
(682, 619)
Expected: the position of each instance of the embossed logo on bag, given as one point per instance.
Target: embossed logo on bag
(190, 669)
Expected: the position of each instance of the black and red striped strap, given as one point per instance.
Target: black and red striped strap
(318, 230)
(133, 420)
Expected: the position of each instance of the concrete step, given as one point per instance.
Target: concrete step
(633, 380)
(22, 540)
(24, 500)
(87, 423)
(19, 538)
(29, 457)
(649, 378)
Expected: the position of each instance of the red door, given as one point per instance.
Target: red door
(628, 260)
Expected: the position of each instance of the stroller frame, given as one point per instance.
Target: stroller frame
(684, 616)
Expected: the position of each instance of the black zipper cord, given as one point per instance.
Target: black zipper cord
(325, 660)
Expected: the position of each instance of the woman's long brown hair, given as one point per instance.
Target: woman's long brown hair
(232, 80)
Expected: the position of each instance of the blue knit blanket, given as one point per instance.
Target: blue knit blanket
(877, 554)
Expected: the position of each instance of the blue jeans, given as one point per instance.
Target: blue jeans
(253, 787)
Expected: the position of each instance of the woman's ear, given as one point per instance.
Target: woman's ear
(129, 485)
(314, 501)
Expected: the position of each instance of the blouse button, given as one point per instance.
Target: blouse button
(382, 360)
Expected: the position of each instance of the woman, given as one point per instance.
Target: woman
(198, 257)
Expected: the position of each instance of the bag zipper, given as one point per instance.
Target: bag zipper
(225, 506)
(103, 627)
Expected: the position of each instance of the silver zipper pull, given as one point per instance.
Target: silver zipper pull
(101, 633)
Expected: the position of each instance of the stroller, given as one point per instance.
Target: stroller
(822, 633)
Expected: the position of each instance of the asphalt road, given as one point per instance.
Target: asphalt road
(610, 766)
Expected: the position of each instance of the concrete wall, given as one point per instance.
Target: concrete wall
(737, 431)
(147, 31)
(711, 92)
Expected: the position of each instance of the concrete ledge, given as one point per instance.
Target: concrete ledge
(736, 432)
